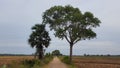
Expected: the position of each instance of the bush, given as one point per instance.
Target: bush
(31, 63)
(66, 59)
(48, 57)
(26, 64)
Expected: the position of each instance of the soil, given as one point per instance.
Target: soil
(56, 63)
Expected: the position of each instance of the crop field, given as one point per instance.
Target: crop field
(97, 62)
(80, 61)
(6, 60)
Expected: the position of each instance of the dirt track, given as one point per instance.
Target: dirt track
(56, 63)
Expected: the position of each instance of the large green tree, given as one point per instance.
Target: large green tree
(39, 39)
(71, 24)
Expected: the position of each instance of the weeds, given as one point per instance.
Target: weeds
(66, 60)
(29, 63)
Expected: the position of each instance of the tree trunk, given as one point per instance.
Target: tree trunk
(35, 55)
(40, 56)
(71, 47)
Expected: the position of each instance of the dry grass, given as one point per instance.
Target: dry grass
(97, 62)
(6, 60)
(80, 62)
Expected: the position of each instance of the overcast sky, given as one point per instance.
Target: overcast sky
(18, 16)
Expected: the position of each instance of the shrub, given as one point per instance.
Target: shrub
(48, 57)
(31, 63)
(66, 59)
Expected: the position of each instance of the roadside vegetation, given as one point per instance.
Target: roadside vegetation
(66, 60)
(77, 62)
(24, 61)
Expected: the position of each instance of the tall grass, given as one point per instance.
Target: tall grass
(66, 60)
(28, 63)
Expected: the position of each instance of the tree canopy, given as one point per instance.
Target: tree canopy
(56, 53)
(39, 38)
(71, 24)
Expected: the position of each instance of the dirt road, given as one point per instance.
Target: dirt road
(56, 63)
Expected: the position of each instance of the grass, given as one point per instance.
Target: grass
(72, 66)
(78, 62)
(66, 60)
(23, 62)
(7, 60)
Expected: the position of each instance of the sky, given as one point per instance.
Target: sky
(18, 16)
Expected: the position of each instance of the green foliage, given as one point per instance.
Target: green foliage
(39, 38)
(34, 63)
(31, 63)
(48, 58)
(26, 64)
(48, 55)
(66, 60)
(56, 53)
(71, 24)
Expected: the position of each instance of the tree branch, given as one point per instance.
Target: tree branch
(70, 36)
(67, 38)
(76, 41)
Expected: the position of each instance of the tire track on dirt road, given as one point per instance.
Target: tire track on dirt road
(56, 63)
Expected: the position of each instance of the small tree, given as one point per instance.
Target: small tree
(70, 24)
(56, 53)
(39, 39)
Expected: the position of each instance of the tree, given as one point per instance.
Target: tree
(39, 39)
(70, 24)
(56, 53)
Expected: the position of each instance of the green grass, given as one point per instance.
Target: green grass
(66, 60)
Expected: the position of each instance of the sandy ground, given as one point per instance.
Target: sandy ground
(56, 63)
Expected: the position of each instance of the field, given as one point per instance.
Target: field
(97, 62)
(6, 60)
(80, 62)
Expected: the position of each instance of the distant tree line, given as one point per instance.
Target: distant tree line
(15, 54)
(100, 55)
